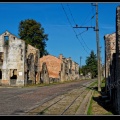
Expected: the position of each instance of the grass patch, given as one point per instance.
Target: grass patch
(43, 111)
(97, 107)
(93, 84)
(89, 112)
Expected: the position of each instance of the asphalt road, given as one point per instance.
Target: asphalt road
(18, 101)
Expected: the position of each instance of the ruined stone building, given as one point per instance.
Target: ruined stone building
(112, 68)
(19, 62)
(116, 90)
(53, 69)
(110, 50)
(50, 67)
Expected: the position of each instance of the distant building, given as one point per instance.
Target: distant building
(19, 63)
(53, 69)
(50, 67)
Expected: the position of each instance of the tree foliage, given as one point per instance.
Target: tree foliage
(84, 70)
(33, 33)
(91, 64)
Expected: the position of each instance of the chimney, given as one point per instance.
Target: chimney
(60, 56)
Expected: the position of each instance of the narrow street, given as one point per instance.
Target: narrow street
(62, 99)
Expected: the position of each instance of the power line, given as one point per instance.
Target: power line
(76, 24)
(85, 43)
(84, 22)
(71, 14)
(92, 13)
(73, 29)
(87, 17)
(83, 32)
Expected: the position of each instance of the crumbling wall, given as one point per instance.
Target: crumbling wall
(117, 74)
(53, 66)
(13, 59)
(77, 76)
(32, 57)
(62, 75)
(14, 67)
(110, 48)
(113, 73)
(44, 75)
(59, 69)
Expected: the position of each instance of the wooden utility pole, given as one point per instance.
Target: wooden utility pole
(98, 47)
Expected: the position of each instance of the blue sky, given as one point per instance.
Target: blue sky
(61, 36)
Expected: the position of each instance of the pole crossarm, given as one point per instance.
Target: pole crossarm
(84, 27)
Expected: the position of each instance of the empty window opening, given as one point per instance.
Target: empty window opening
(21, 51)
(14, 38)
(21, 57)
(1, 56)
(13, 74)
(27, 74)
(36, 77)
(0, 74)
(6, 39)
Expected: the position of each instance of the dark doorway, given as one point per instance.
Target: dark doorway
(35, 77)
(14, 74)
(0, 74)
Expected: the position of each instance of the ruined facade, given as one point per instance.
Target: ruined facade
(112, 68)
(50, 67)
(19, 63)
(58, 69)
(117, 63)
(110, 49)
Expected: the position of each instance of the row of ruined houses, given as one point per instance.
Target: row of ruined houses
(112, 65)
(20, 64)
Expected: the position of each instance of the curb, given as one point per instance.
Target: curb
(86, 100)
(88, 103)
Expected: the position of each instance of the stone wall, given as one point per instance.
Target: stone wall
(13, 59)
(44, 78)
(53, 66)
(117, 74)
(14, 63)
(110, 48)
(33, 67)
(60, 69)
(112, 68)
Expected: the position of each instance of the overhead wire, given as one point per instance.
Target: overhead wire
(73, 29)
(71, 14)
(81, 32)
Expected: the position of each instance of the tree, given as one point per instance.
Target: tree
(84, 70)
(91, 63)
(33, 34)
